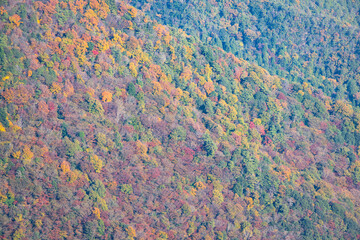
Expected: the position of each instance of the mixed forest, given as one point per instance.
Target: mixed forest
(179, 120)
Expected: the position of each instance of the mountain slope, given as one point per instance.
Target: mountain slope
(114, 126)
(304, 41)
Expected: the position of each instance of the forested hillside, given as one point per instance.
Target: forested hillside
(312, 41)
(114, 126)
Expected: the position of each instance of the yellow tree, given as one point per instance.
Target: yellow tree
(343, 108)
(208, 71)
(232, 113)
(218, 198)
(160, 30)
(132, 69)
(103, 45)
(27, 155)
(65, 166)
(96, 162)
(80, 4)
(167, 38)
(132, 11)
(94, 4)
(106, 96)
(200, 185)
(188, 53)
(157, 87)
(55, 87)
(104, 10)
(131, 232)
(141, 148)
(2, 128)
(15, 19)
(96, 212)
(8, 94)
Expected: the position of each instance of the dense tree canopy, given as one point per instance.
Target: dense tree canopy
(115, 126)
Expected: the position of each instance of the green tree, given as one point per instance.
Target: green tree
(209, 145)
(3, 118)
(131, 89)
(178, 134)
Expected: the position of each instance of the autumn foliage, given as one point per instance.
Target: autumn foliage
(117, 126)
